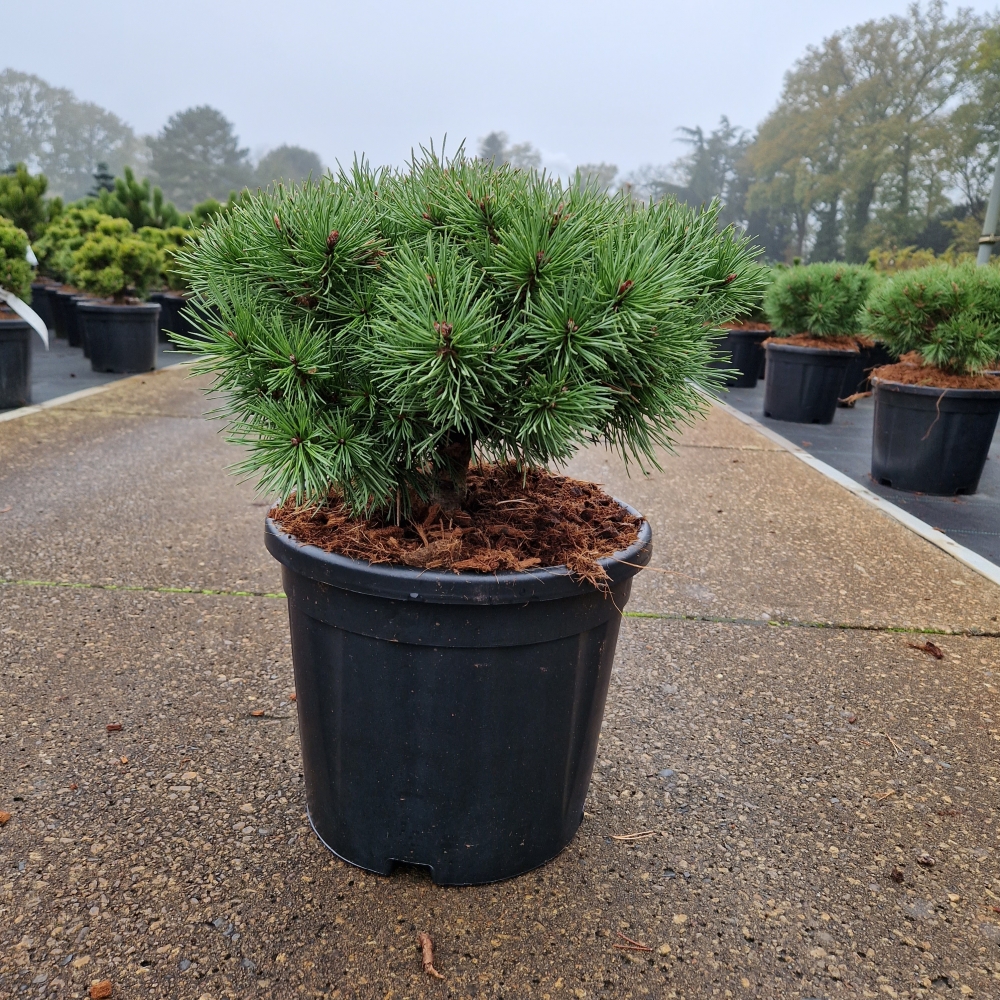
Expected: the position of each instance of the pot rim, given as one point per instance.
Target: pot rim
(397, 582)
(887, 385)
(808, 350)
(748, 334)
(95, 305)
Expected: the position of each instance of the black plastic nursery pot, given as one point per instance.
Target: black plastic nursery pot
(741, 349)
(858, 374)
(803, 383)
(64, 315)
(930, 440)
(449, 720)
(120, 338)
(171, 319)
(40, 303)
(15, 363)
(58, 325)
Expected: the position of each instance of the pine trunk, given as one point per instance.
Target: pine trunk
(451, 478)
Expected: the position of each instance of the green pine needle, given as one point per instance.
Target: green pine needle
(358, 325)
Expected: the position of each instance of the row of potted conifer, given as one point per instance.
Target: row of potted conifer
(98, 276)
(926, 340)
(106, 277)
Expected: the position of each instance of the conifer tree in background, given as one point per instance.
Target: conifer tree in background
(601, 175)
(496, 149)
(197, 156)
(104, 180)
(373, 332)
(291, 164)
(140, 203)
(55, 133)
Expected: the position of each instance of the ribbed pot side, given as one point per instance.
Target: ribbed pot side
(449, 720)
(931, 440)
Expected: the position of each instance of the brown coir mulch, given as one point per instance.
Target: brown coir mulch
(509, 521)
(748, 326)
(826, 343)
(911, 370)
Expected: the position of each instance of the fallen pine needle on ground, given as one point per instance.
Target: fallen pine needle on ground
(895, 745)
(932, 649)
(426, 946)
(630, 944)
(633, 836)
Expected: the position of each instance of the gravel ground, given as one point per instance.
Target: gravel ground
(819, 806)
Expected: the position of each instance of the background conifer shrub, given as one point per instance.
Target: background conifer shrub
(374, 331)
(63, 237)
(951, 315)
(822, 300)
(15, 271)
(115, 263)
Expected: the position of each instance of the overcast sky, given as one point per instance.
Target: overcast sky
(584, 80)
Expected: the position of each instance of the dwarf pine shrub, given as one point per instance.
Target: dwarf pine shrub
(821, 300)
(15, 271)
(115, 263)
(374, 331)
(951, 315)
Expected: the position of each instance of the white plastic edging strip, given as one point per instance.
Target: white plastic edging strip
(973, 560)
(72, 397)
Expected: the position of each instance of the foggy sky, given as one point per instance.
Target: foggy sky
(585, 81)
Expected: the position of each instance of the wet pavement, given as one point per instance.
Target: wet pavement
(846, 444)
(815, 799)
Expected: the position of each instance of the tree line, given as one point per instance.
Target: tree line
(884, 136)
(195, 156)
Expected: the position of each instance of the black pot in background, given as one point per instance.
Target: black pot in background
(15, 363)
(66, 305)
(740, 349)
(50, 294)
(930, 440)
(157, 297)
(40, 302)
(858, 375)
(171, 319)
(448, 720)
(63, 313)
(803, 383)
(120, 338)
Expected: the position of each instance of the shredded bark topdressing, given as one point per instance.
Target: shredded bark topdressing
(824, 343)
(509, 521)
(749, 327)
(911, 370)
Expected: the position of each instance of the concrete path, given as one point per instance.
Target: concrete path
(822, 796)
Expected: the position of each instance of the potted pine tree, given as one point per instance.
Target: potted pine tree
(740, 347)
(171, 298)
(815, 313)
(22, 201)
(62, 238)
(936, 409)
(15, 333)
(404, 355)
(120, 330)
